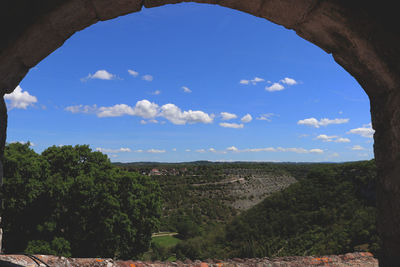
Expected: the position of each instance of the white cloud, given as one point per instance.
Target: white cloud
(82, 109)
(322, 122)
(325, 121)
(227, 116)
(265, 149)
(156, 92)
(103, 75)
(187, 150)
(155, 151)
(175, 115)
(133, 73)
(332, 138)
(298, 150)
(213, 150)
(288, 81)
(309, 122)
(342, 140)
(186, 89)
(146, 109)
(20, 99)
(365, 131)
(231, 125)
(274, 87)
(174, 149)
(100, 74)
(143, 108)
(301, 150)
(148, 121)
(115, 111)
(357, 147)
(316, 150)
(246, 118)
(152, 151)
(253, 81)
(108, 150)
(147, 77)
(257, 80)
(201, 150)
(266, 117)
(233, 149)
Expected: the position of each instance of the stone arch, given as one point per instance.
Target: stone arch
(361, 36)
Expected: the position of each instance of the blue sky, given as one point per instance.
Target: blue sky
(193, 82)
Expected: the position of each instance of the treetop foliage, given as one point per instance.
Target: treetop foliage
(72, 201)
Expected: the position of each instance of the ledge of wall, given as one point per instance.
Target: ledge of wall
(364, 259)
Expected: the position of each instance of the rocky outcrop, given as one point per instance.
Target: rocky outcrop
(248, 192)
(362, 259)
(362, 36)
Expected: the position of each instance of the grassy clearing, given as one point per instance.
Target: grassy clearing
(165, 241)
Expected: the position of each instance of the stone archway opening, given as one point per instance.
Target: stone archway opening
(361, 37)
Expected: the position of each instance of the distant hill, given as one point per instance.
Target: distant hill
(207, 192)
(330, 211)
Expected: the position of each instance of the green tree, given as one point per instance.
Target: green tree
(25, 174)
(331, 211)
(82, 199)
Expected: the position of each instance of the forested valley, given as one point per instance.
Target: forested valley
(74, 202)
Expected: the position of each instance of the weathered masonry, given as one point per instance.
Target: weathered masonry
(362, 35)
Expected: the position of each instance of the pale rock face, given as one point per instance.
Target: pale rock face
(362, 37)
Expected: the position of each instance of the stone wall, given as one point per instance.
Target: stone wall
(363, 37)
(362, 259)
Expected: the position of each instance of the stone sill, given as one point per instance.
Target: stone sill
(359, 259)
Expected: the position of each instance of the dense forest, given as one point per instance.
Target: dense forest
(72, 201)
(204, 193)
(331, 211)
